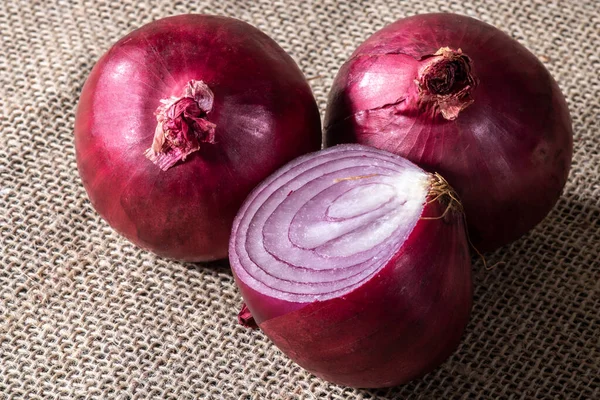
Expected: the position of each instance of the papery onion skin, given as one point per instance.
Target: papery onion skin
(264, 114)
(506, 148)
(399, 324)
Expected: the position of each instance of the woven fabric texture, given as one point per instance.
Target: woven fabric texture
(85, 314)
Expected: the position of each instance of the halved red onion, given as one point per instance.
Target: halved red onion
(355, 262)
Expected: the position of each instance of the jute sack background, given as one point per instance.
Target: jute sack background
(84, 314)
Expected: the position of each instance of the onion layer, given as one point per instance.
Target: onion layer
(459, 97)
(179, 121)
(355, 263)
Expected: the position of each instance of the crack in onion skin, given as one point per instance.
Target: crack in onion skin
(407, 311)
(505, 146)
(263, 115)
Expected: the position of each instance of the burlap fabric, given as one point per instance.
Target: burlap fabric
(85, 314)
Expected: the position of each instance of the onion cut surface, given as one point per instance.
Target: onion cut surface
(355, 263)
(459, 97)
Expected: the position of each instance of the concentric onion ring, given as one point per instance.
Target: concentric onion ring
(327, 223)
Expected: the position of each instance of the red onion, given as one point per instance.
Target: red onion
(459, 97)
(177, 123)
(354, 261)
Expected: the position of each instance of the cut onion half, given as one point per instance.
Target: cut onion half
(354, 261)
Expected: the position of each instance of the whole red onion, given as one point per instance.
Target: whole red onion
(355, 262)
(459, 97)
(177, 123)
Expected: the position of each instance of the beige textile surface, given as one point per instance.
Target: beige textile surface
(85, 314)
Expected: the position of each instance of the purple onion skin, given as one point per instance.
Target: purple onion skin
(507, 154)
(398, 325)
(264, 112)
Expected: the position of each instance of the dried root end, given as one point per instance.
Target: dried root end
(444, 193)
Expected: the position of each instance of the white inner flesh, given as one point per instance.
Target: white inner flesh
(402, 196)
(325, 231)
